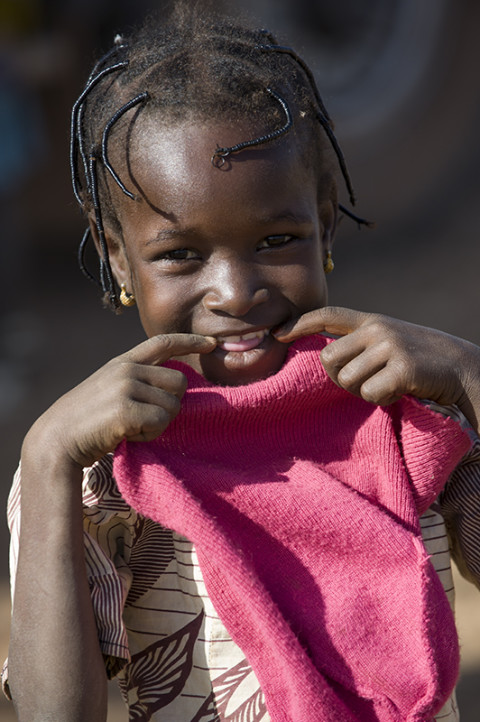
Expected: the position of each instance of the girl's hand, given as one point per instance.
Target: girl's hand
(381, 358)
(132, 397)
(57, 670)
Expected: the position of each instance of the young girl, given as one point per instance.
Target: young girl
(246, 543)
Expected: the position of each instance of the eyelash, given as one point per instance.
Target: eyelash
(284, 239)
(180, 255)
(173, 256)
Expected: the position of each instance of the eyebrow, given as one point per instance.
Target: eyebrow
(167, 234)
(287, 216)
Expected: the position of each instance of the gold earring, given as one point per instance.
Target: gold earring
(126, 299)
(329, 265)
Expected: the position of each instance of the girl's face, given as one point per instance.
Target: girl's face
(229, 252)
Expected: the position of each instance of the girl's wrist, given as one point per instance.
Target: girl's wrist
(44, 449)
(469, 381)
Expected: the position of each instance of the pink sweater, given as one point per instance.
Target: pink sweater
(303, 504)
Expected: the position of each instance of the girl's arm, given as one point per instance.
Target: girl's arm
(56, 668)
(381, 358)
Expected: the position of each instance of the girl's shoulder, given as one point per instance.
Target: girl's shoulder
(107, 518)
(100, 495)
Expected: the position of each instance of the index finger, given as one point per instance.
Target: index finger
(158, 349)
(330, 319)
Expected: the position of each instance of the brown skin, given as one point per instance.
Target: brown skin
(232, 251)
(381, 359)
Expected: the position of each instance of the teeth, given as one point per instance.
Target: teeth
(254, 334)
(245, 337)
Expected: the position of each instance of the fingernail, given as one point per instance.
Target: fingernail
(281, 330)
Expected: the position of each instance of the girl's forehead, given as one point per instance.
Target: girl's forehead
(172, 171)
(177, 159)
(190, 146)
(171, 168)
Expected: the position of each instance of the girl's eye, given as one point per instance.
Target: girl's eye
(180, 254)
(275, 241)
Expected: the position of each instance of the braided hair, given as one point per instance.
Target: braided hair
(187, 67)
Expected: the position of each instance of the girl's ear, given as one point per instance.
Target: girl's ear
(328, 215)
(327, 200)
(116, 252)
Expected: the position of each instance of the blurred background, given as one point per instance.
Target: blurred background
(399, 77)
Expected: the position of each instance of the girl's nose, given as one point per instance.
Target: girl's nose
(234, 289)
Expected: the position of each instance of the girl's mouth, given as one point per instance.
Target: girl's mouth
(243, 358)
(246, 342)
